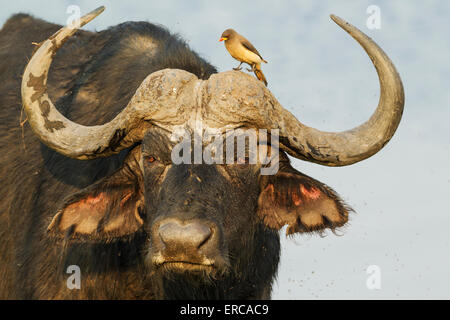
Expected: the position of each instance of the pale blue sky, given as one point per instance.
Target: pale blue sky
(322, 75)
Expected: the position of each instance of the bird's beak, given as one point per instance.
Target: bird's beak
(223, 38)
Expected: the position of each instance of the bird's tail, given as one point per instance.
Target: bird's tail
(259, 74)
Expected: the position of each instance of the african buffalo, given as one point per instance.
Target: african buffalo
(100, 191)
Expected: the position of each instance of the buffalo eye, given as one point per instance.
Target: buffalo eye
(241, 160)
(150, 159)
(245, 161)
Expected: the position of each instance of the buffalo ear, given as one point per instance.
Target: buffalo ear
(304, 204)
(104, 211)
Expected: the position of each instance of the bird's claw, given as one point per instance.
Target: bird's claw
(237, 69)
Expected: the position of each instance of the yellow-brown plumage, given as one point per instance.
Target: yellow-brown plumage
(242, 50)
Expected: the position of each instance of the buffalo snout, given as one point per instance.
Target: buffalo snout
(186, 244)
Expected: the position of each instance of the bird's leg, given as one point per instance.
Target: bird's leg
(252, 69)
(238, 67)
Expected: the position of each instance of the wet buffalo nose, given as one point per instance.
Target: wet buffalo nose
(187, 237)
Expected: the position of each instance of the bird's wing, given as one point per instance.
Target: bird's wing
(250, 47)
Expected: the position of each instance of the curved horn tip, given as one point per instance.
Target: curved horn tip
(98, 10)
(338, 20)
(91, 15)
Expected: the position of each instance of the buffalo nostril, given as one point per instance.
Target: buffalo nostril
(184, 237)
(206, 239)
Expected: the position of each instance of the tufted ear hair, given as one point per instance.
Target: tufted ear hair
(109, 209)
(304, 204)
